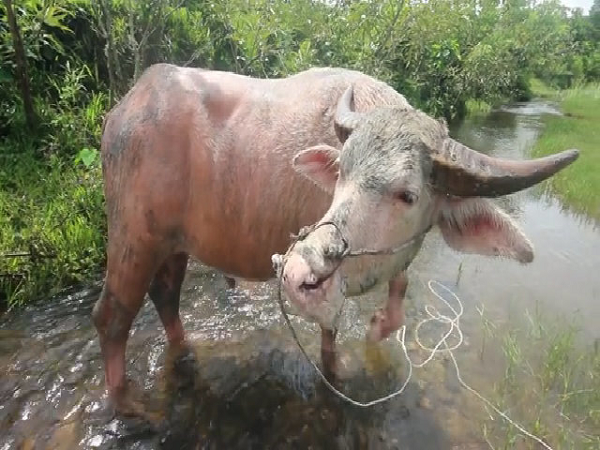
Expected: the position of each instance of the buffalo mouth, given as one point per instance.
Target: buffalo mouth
(310, 275)
(317, 294)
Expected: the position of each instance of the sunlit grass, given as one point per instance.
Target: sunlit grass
(540, 89)
(579, 184)
(477, 107)
(52, 222)
(550, 385)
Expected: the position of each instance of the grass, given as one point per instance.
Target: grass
(551, 383)
(579, 184)
(477, 107)
(551, 386)
(541, 89)
(52, 222)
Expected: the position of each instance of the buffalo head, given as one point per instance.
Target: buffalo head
(398, 174)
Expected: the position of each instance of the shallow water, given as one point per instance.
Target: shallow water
(567, 245)
(243, 382)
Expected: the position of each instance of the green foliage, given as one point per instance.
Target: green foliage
(541, 89)
(446, 57)
(73, 123)
(87, 156)
(52, 221)
(438, 53)
(477, 107)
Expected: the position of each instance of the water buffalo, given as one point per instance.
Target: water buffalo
(225, 167)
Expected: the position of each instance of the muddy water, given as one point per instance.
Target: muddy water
(242, 383)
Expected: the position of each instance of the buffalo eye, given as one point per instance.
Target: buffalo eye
(407, 197)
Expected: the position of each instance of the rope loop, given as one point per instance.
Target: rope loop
(451, 321)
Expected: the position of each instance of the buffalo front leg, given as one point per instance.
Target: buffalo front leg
(165, 291)
(328, 353)
(391, 317)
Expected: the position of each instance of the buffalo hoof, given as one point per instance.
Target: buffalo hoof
(181, 365)
(131, 403)
(383, 324)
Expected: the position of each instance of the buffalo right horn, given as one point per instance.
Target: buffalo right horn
(463, 172)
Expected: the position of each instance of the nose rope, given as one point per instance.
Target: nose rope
(433, 316)
(347, 253)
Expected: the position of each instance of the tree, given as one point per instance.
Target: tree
(21, 65)
(595, 18)
(146, 20)
(104, 22)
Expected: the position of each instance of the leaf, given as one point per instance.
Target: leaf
(87, 156)
(55, 16)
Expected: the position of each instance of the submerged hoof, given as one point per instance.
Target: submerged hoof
(181, 364)
(383, 324)
(131, 402)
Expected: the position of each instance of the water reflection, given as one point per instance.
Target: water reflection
(250, 389)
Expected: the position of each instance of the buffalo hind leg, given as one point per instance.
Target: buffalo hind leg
(165, 291)
(390, 318)
(128, 275)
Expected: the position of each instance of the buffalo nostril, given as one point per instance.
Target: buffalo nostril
(311, 284)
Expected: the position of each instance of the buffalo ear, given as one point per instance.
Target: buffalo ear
(319, 164)
(476, 225)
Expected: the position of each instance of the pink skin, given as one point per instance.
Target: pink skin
(310, 301)
(190, 158)
(315, 303)
(390, 318)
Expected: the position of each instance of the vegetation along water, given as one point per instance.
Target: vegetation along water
(516, 78)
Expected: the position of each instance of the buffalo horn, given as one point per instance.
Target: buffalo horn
(463, 172)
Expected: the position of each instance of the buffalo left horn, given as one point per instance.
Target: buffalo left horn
(463, 172)
(345, 118)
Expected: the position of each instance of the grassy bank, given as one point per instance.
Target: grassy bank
(52, 222)
(477, 107)
(579, 184)
(551, 385)
(52, 225)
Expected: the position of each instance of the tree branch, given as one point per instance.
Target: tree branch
(21, 66)
(390, 30)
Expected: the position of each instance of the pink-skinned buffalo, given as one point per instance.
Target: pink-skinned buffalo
(224, 168)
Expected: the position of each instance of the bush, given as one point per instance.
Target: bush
(53, 224)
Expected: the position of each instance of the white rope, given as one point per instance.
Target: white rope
(454, 326)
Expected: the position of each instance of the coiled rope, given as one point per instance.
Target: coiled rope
(442, 346)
